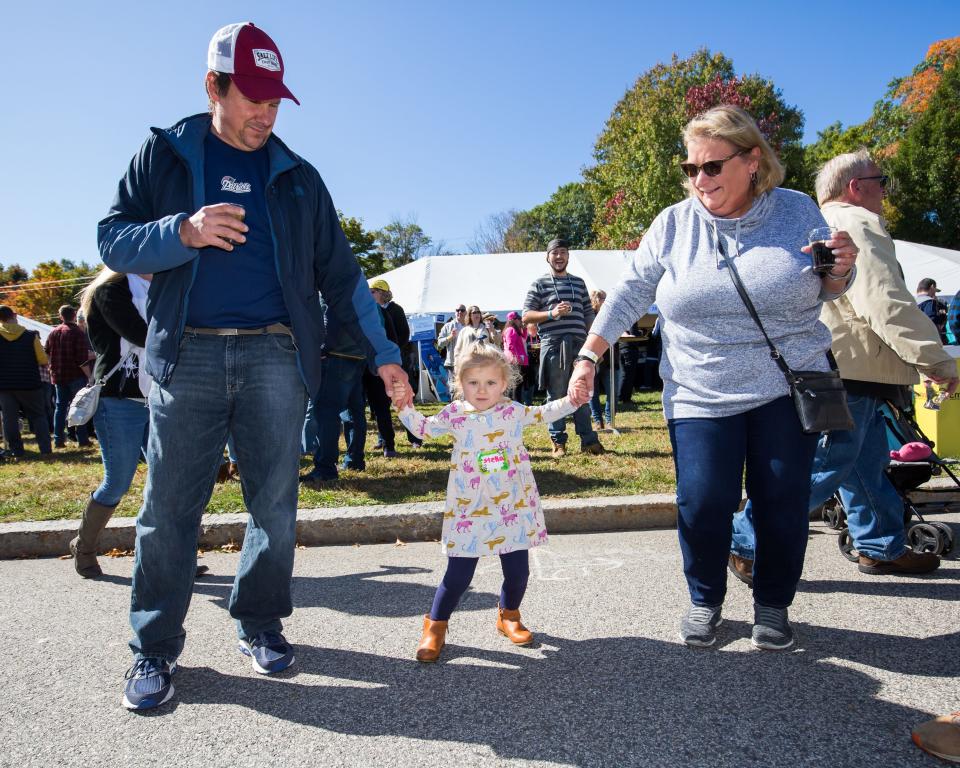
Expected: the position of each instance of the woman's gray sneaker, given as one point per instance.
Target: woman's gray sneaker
(699, 626)
(771, 630)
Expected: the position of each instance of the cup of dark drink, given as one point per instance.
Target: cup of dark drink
(822, 256)
(241, 215)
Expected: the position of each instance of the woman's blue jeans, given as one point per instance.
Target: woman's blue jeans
(249, 387)
(710, 457)
(122, 427)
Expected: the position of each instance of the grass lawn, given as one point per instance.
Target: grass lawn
(639, 462)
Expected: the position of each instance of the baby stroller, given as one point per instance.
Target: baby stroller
(906, 476)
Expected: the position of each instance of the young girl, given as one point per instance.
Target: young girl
(492, 507)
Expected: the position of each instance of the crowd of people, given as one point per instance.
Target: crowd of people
(207, 326)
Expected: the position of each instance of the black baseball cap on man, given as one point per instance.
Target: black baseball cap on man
(926, 284)
(558, 242)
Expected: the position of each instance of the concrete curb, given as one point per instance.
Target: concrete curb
(382, 524)
(352, 525)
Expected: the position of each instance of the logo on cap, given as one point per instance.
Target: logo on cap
(266, 59)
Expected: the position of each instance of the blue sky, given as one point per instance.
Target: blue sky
(442, 110)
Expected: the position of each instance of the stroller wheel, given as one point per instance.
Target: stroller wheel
(925, 538)
(833, 515)
(845, 543)
(946, 533)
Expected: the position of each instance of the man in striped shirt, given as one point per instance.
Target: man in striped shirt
(559, 303)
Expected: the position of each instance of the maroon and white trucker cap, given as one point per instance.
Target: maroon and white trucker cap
(252, 60)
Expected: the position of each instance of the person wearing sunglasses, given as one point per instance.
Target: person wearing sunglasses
(447, 339)
(476, 330)
(726, 402)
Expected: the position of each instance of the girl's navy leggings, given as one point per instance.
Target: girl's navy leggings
(460, 570)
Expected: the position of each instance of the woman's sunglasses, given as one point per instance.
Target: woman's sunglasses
(711, 167)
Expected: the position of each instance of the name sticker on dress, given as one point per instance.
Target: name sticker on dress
(493, 461)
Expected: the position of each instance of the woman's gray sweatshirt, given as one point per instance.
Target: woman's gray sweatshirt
(715, 362)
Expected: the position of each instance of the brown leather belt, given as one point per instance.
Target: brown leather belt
(275, 328)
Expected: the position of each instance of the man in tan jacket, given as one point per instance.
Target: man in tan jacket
(881, 341)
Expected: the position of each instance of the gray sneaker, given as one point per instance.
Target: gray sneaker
(771, 630)
(699, 626)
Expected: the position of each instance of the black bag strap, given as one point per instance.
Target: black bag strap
(745, 297)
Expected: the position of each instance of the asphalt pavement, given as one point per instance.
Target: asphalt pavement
(608, 684)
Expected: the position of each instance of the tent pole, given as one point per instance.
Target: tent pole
(420, 371)
(612, 390)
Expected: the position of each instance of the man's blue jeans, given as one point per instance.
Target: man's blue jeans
(341, 390)
(121, 431)
(65, 394)
(249, 387)
(556, 365)
(853, 463)
(710, 456)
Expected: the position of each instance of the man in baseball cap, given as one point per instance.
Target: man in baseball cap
(240, 235)
(932, 307)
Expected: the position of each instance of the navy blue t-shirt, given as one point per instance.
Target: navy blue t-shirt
(238, 288)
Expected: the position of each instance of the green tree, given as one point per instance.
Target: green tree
(569, 214)
(636, 173)
(927, 169)
(363, 243)
(401, 242)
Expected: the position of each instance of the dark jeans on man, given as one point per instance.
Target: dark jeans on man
(556, 365)
(248, 388)
(65, 394)
(341, 389)
(31, 400)
(710, 456)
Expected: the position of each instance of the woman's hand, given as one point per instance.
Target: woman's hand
(844, 253)
(844, 256)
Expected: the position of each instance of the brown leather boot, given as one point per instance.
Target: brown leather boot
(510, 626)
(742, 568)
(432, 640)
(84, 546)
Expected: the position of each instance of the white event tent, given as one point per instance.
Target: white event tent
(920, 261)
(35, 325)
(498, 282)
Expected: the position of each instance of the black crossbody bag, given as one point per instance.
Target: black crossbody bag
(819, 396)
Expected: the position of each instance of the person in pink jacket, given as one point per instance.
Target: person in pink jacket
(515, 350)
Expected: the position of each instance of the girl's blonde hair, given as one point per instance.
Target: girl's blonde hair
(481, 355)
(105, 275)
(736, 126)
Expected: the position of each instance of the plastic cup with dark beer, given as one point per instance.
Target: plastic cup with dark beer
(822, 256)
(241, 215)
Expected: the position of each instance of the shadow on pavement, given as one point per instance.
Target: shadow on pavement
(614, 701)
(357, 594)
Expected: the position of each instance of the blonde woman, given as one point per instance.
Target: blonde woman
(725, 400)
(115, 307)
